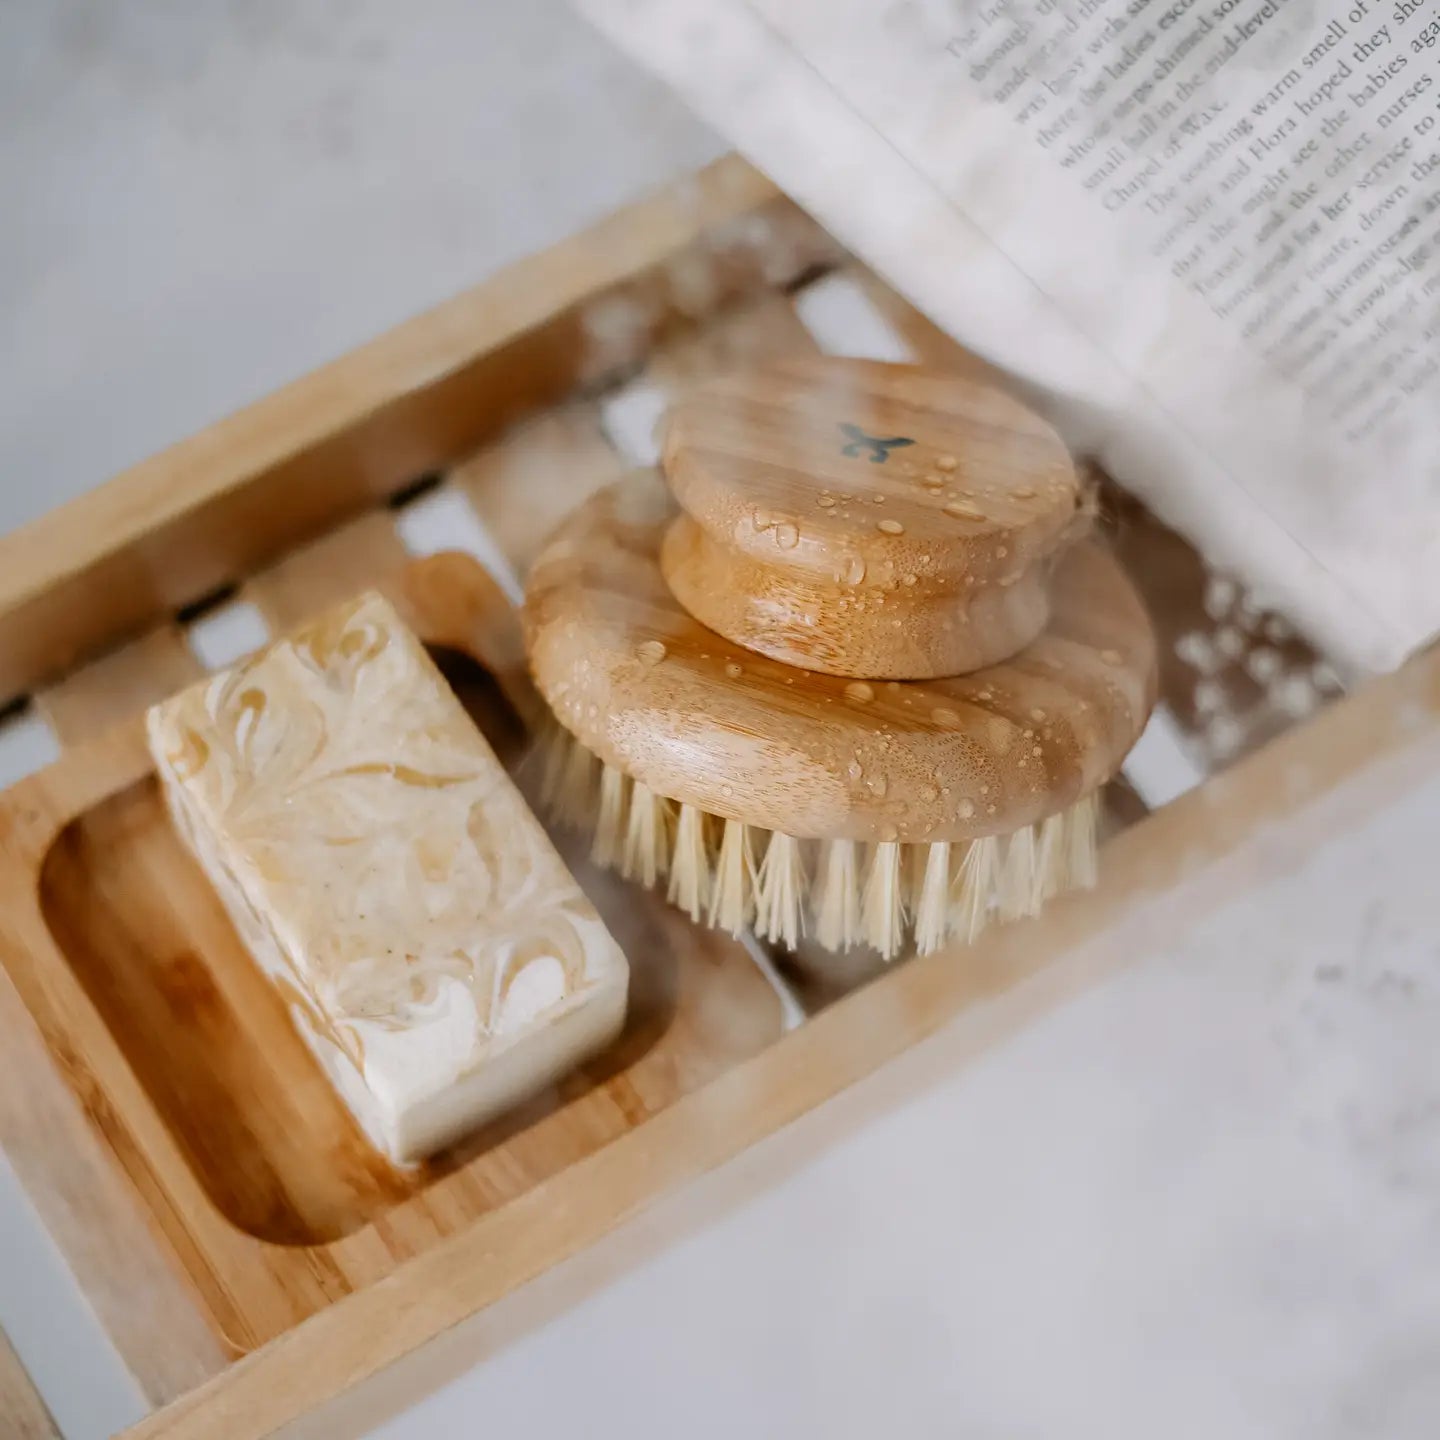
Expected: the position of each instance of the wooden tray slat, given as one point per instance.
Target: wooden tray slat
(23, 1415)
(528, 481)
(118, 684)
(339, 564)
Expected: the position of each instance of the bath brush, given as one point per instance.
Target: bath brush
(850, 666)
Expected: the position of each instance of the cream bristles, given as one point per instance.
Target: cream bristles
(690, 865)
(610, 822)
(932, 905)
(643, 834)
(733, 900)
(554, 749)
(647, 843)
(1018, 890)
(575, 798)
(1081, 821)
(979, 872)
(1050, 863)
(837, 896)
(882, 908)
(780, 891)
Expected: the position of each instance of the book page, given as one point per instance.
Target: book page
(1202, 235)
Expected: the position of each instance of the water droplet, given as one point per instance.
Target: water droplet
(965, 809)
(934, 487)
(963, 510)
(734, 671)
(853, 770)
(946, 462)
(1111, 657)
(878, 784)
(859, 692)
(854, 571)
(984, 789)
(1036, 750)
(651, 652)
(727, 789)
(944, 715)
(889, 832)
(825, 501)
(909, 579)
(787, 535)
(1002, 552)
(891, 527)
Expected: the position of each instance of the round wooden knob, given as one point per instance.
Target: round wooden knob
(868, 520)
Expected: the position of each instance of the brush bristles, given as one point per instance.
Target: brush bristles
(1051, 858)
(928, 892)
(882, 907)
(690, 863)
(1019, 890)
(780, 892)
(575, 797)
(1081, 822)
(837, 896)
(932, 903)
(647, 841)
(732, 902)
(609, 839)
(975, 889)
(554, 753)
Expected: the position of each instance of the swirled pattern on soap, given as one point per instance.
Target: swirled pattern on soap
(367, 840)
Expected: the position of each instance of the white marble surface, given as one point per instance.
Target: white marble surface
(206, 198)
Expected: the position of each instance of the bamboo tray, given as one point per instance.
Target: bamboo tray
(247, 1256)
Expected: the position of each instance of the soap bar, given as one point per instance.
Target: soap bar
(379, 864)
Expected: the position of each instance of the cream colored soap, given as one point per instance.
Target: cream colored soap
(380, 865)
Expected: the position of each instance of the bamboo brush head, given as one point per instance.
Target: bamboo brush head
(790, 799)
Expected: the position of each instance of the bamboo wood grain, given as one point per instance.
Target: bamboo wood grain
(764, 330)
(119, 684)
(213, 507)
(1355, 757)
(525, 483)
(23, 1415)
(811, 486)
(317, 575)
(702, 721)
(186, 1065)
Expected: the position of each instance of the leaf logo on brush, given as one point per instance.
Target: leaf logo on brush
(879, 449)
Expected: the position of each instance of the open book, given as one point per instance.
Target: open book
(1203, 235)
